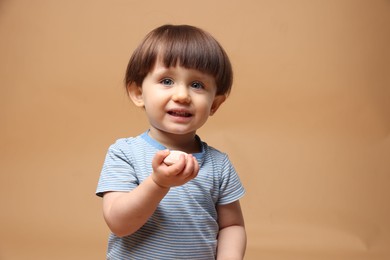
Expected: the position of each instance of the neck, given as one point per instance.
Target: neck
(185, 142)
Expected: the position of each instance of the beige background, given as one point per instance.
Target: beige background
(307, 124)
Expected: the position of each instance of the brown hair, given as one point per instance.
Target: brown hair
(183, 45)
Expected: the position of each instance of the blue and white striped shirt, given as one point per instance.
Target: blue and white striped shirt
(184, 225)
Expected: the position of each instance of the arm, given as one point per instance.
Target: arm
(232, 235)
(126, 212)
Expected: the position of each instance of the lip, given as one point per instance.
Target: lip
(180, 115)
(179, 112)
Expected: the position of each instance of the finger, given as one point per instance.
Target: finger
(179, 166)
(189, 167)
(159, 157)
(196, 167)
(195, 170)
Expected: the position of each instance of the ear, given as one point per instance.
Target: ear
(135, 93)
(218, 100)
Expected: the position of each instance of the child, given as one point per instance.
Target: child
(179, 75)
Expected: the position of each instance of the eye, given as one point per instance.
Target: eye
(167, 82)
(197, 85)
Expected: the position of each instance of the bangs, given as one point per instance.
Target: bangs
(191, 50)
(183, 45)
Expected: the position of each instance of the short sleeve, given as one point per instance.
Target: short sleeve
(118, 172)
(231, 188)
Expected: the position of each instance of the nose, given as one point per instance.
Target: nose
(181, 94)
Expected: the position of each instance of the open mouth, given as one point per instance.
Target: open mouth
(179, 113)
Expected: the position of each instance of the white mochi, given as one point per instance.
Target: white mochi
(173, 157)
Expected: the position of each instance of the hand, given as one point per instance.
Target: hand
(175, 175)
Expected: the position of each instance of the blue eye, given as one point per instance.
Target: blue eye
(167, 82)
(197, 85)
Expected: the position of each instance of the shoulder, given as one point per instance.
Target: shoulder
(126, 143)
(213, 152)
(125, 148)
(121, 145)
(122, 142)
(216, 157)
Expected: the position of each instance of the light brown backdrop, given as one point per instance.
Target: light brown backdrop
(307, 124)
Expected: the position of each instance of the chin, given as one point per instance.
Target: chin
(180, 131)
(175, 130)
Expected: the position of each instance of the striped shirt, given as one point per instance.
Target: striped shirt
(184, 225)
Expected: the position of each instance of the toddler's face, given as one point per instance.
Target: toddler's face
(179, 100)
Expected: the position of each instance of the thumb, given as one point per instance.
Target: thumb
(160, 156)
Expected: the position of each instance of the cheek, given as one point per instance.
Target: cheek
(209, 103)
(205, 107)
(150, 98)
